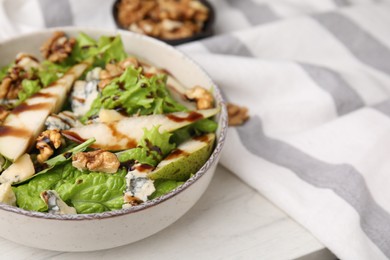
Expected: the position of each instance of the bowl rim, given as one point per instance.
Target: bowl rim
(206, 31)
(116, 213)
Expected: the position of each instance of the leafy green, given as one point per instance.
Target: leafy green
(111, 49)
(206, 125)
(163, 187)
(135, 93)
(105, 50)
(29, 87)
(195, 129)
(140, 154)
(3, 71)
(94, 192)
(4, 163)
(28, 195)
(154, 140)
(88, 192)
(68, 154)
(152, 148)
(60, 159)
(50, 72)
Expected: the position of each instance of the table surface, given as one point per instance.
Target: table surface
(212, 229)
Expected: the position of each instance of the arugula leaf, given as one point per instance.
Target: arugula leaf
(163, 187)
(197, 128)
(68, 154)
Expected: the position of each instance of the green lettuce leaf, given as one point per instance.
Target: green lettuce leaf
(156, 141)
(139, 154)
(153, 147)
(29, 87)
(163, 187)
(88, 192)
(94, 192)
(134, 93)
(105, 50)
(111, 49)
(28, 195)
(50, 72)
(61, 158)
(3, 71)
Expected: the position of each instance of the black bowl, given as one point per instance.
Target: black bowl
(207, 29)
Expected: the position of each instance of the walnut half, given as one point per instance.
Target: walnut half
(58, 47)
(99, 160)
(237, 115)
(203, 97)
(47, 142)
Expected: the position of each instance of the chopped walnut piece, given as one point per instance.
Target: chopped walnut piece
(12, 83)
(203, 97)
(113, 70)
(130, 61)
(237, 115)
(99, 160)
(23, 69)
(58, 47)
(27, 61)
(47, 142)
(131, 200)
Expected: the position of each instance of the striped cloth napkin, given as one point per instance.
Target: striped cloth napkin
(315, 76)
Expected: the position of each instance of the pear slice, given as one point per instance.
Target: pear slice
(187, 159)
(126, 133)
(178, 92)
(7, 195)
(26, 121)
(20, 170)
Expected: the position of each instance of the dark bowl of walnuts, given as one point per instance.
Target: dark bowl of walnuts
(172, 21)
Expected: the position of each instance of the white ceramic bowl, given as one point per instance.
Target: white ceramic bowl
(89, 232)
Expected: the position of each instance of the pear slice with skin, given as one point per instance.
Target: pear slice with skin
(26, 121)
(20, 170)
(187, 159)
(126, 133)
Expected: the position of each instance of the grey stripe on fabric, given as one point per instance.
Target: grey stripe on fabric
(255, 13)
(383, 107)
(227, 44)
(341, 2)
(56, 13)
(344, 96)
(343, 179)
(361, 43)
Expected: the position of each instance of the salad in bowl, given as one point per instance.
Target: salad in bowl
(88, 128)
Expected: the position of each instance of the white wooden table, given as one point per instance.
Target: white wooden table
(231, 221)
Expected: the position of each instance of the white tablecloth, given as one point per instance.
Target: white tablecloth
(315, 76)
